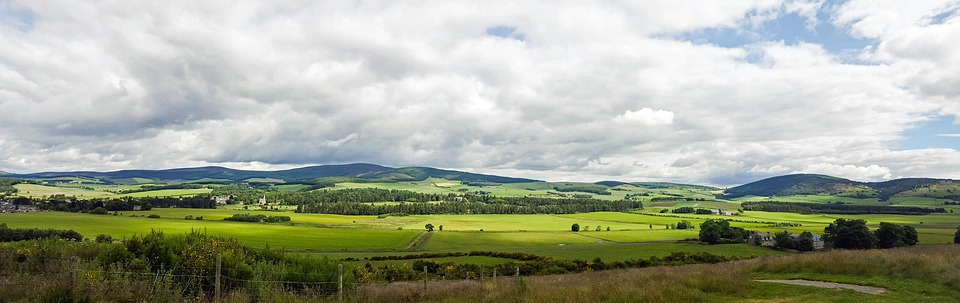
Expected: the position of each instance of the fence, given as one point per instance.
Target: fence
(13, 277)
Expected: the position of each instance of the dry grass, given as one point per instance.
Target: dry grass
(936, 265)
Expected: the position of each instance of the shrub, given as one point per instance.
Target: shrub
(99, 211)
(104, 238)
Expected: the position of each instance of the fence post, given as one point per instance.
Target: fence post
(340, 282)
(216, 280)
(516, 275)
(424, 278)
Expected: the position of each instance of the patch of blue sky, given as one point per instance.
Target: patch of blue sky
(940, 132)
(945, 15)
(506, 32)
(791, 29)
(12, 15)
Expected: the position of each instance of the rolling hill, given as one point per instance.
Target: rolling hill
(215, 173)
(811, 184)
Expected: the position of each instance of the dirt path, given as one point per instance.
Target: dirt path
(821, 284)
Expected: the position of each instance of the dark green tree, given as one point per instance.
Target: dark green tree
(429, 227)
(892, 235)
(956, 236)
(712, 230)
(849, 234)
(784, 240)
(805, 241)
(575, 227)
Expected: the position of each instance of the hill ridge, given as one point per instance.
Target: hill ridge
(814, 184)
(213, 173)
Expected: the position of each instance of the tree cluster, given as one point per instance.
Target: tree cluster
(6, 186)
(854, 234)
(23, 234)
(720, 231)
(260, 218)
(596, 189)
(891, 235)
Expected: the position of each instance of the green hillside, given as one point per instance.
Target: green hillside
(808, 184)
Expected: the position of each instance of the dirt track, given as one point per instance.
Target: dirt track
(821, 284)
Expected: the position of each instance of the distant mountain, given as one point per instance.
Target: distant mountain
(811, 184)
(3, 173)
(215, 173)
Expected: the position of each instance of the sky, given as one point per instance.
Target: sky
(706, 92)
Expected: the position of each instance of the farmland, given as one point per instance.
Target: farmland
(603, 236)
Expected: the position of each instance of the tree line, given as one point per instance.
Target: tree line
(23, 234)
(481, 205)
(815, 208)
(258, 218)
(72, 204)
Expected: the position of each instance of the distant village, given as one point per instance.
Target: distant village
(7, 207)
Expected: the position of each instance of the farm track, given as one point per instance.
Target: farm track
(419, 242)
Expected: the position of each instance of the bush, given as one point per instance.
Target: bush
(99, 211)
(104, 238)
(154, 216)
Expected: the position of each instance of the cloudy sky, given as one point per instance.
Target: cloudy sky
(710, 92)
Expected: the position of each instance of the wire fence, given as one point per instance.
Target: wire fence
(331, 284)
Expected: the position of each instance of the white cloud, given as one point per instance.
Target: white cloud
(853, 172)
(645, 116)
(593, 91)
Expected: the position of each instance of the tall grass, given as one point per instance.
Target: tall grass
(937, 266)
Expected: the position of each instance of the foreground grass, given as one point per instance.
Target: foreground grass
(916, 274)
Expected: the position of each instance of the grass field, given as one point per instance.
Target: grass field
(101, 191)
(631, 235)
(36, 191)
(254, 234)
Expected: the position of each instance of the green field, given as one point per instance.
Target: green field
(639, 234)
(254, 234)
(100, 191)
(35, 190)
